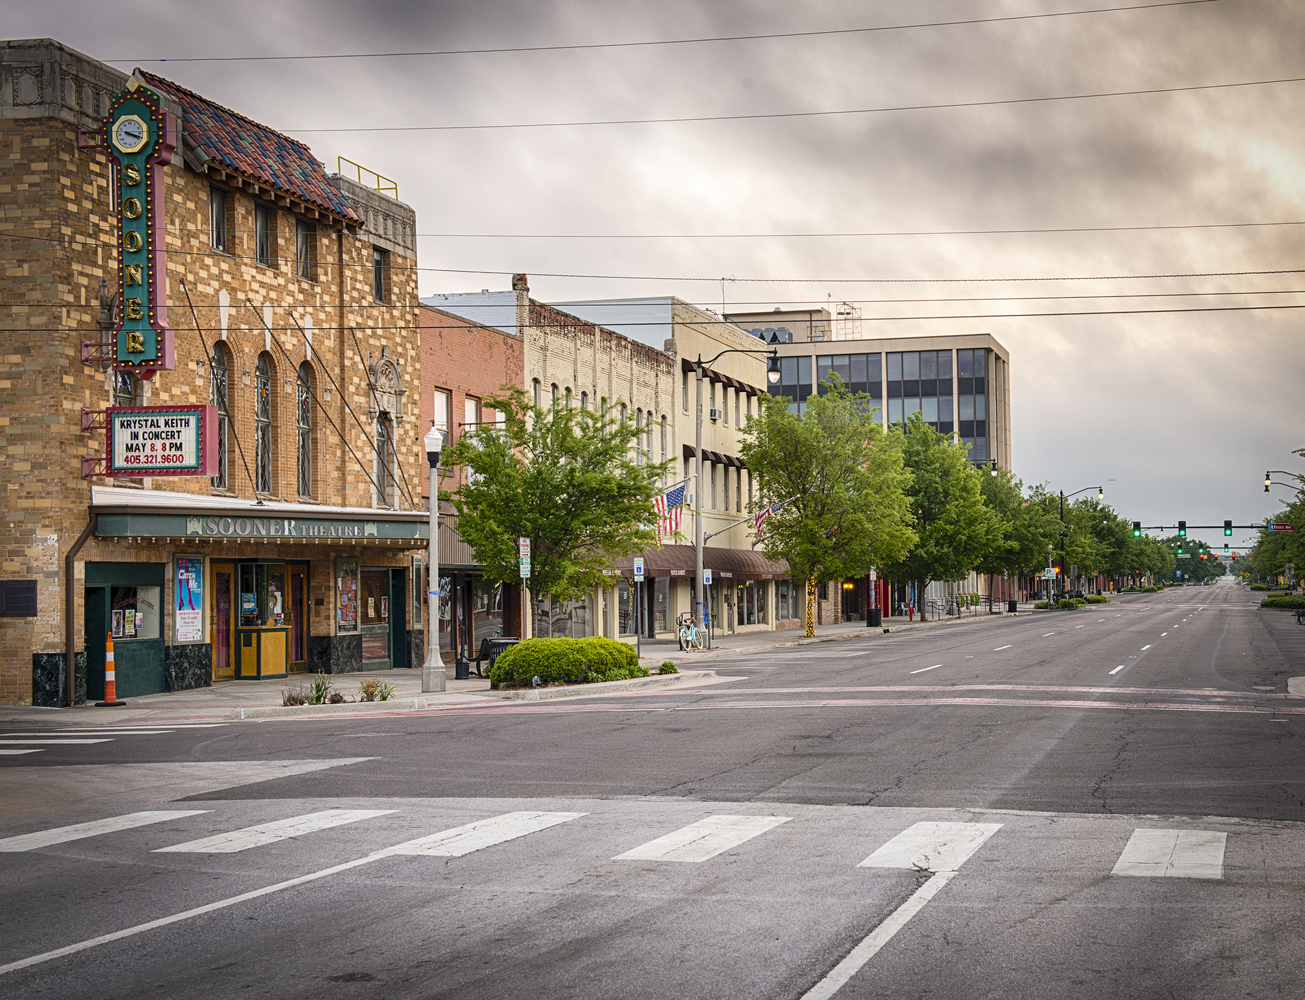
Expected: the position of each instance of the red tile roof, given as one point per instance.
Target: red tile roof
(256, 151)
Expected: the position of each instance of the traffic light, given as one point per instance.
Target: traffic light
(1180, 550)
(1266, 482)
(1227, 527)
(1137, 529)
(1182, 529)
(1225, 549)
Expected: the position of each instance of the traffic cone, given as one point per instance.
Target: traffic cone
(110, 686)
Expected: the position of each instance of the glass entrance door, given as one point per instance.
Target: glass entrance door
(298, 619)
(222, 614)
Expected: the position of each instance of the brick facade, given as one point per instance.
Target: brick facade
(57, 251)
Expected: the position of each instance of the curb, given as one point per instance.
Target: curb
(603, 687)
(281, 711)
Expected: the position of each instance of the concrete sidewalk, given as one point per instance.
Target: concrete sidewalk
(224, 701)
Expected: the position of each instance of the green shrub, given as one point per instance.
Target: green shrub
(1288, 601)
(566, 661)
(1041, 605)
(668, 667)
(1098, 599)
(374, 689)
(1259, 586)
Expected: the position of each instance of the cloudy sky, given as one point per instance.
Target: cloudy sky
(546, 162)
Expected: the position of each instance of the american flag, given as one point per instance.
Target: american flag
(758, 518)
(670, 511)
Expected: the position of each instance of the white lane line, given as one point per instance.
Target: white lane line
(1000, 648)
(79, 831)
(934, 667)
(96, 732)
(1079, 626)
(8, 751)
(1045, 634)
(1163, 634)
(1173, 853)
(1100, 620)
(22, 743)
(483, 833)
(924, 845)
(418, 846)
(1117, 669)
(1146, 647)
(704, 839)
(270, 833)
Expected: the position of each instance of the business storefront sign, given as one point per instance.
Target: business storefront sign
(141, 137)
(261, 527)
(161, 441)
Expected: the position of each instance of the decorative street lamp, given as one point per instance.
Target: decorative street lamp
(1101, 495)
(772, 377)
(432, 671)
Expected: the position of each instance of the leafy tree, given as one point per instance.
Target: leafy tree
(567, 479)
(1027, 528)
(848, 513)
(956, 528)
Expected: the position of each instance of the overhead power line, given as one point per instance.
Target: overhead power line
(894, 232)
(774, 115)
(650, 43)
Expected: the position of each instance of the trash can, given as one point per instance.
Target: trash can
(461, 669)
(874, 618)
(1012, 606)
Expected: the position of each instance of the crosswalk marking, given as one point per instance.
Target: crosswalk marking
(79, 831)
(483, 833)
(940, 848)
(704, 839)
(23, 743)
(932, 847)
(7, 750)
(269, 833)
(1173, 853)
(95, 732)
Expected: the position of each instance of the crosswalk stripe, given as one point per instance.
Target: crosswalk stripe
(483, 833)
(8, 751)
(933, 847)
(1173, 853)
(269, 833)
(79, 831)
(704, 839)
(23, 743)
(940, 848)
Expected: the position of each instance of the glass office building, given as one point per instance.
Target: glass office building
(960, 384)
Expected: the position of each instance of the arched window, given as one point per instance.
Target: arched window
(568, 397)
(555, 393)
(638, 437)
(219, 367)
(584, 400)
(663, 437)
(622, 414)
(304, 430)
(534, 390)
(384, 472)
(124, 388)
(263, 424)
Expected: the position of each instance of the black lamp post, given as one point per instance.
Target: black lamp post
(1064, 531)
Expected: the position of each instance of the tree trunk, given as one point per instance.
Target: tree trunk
(811, 606)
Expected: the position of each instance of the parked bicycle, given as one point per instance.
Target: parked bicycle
(687, 629)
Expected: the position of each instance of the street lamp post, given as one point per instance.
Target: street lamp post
(432, 671)
(772, 376)
(1101, 495)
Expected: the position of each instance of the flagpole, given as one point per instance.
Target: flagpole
(697, 513)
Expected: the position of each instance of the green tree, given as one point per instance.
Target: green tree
(1027, 528)
(566, 478)
(848, 512)
(955, 528)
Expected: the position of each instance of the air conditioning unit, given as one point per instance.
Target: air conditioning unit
(717, 414)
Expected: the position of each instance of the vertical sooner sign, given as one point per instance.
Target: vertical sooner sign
(139, 135)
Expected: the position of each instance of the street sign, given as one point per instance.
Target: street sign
(706, 577)
(1281, 526)
(1049, 573)
(524, 567)
(523, 548)
(1184, 555)
(1073, 569)
(873, 576)
(638, 569)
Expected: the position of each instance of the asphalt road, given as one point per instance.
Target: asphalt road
(1103, 803)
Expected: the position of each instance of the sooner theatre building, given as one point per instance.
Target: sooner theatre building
(207, 344)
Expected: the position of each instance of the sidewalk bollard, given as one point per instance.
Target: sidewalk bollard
(110, 686)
